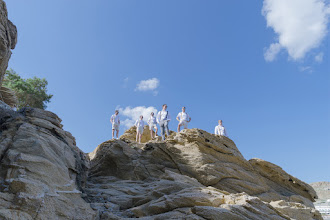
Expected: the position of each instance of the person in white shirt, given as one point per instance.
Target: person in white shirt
(163, 118)
(139, 128)
(152, 125)
(183, 119)
(115, 121)
(220, 129)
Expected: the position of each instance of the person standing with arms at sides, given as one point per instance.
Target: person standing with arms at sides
(220, 129)
(139, 128)
(115, 121)
(152, 125)
(163, 118)
(183, 119)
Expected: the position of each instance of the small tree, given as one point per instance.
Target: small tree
(30, 92)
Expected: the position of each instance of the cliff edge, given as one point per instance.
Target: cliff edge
(192, 175)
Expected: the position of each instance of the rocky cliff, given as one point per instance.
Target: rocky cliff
(192, 175)
(8, 39)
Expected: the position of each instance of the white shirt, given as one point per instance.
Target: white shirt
(163, 115)
(183, 116)
(139, 123)
(152, 120)
(220, 130)
(115, 119)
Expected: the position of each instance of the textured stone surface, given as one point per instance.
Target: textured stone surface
(8, 39)
(130, 135)
(192, 175)
(42, 172)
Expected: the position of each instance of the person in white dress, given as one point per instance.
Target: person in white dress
(115, 121)
(163, 118)
(152, 122)
(220, 129)
(139, 128)
(183, 119)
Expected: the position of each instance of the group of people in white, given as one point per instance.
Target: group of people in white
(162, 119)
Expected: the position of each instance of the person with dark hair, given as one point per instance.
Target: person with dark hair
(220, 129)
(163, 118)
(183, 119)
(115, 121)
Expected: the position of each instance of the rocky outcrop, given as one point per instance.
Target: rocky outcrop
(8, 39)
(195, 175)
(191, 175)
(42, 172)
(130, 135)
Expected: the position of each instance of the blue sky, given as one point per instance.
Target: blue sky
(265, 74)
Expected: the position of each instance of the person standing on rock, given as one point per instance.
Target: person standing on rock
(152, 125)
(163, 118)
(115, 121)
(139, 128)
(183, 119)
(220, 129)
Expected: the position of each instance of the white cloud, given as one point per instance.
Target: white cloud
(148, 85)
(319, 57)
(301, 25)
(272, 51)
(133, 114)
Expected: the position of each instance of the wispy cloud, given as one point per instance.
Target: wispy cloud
(271, 53)
(125, 82)
(300, 25)
(319, 57)
(132, 114)
(307, 69)
(148, 85)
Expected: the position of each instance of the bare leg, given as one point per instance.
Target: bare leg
(140, 135)
(179, 127)
(151, 134)
(113, 133)
(137, 136)
(117, 133)
(156, 132)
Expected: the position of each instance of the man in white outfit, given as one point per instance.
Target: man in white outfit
(152, 122)
(163, 118)
(115, 121)
(220, 129)
(183, 119)
(139, 128)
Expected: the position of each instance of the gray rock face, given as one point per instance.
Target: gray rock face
(8, 39)
(193, 175)
(42, 172)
